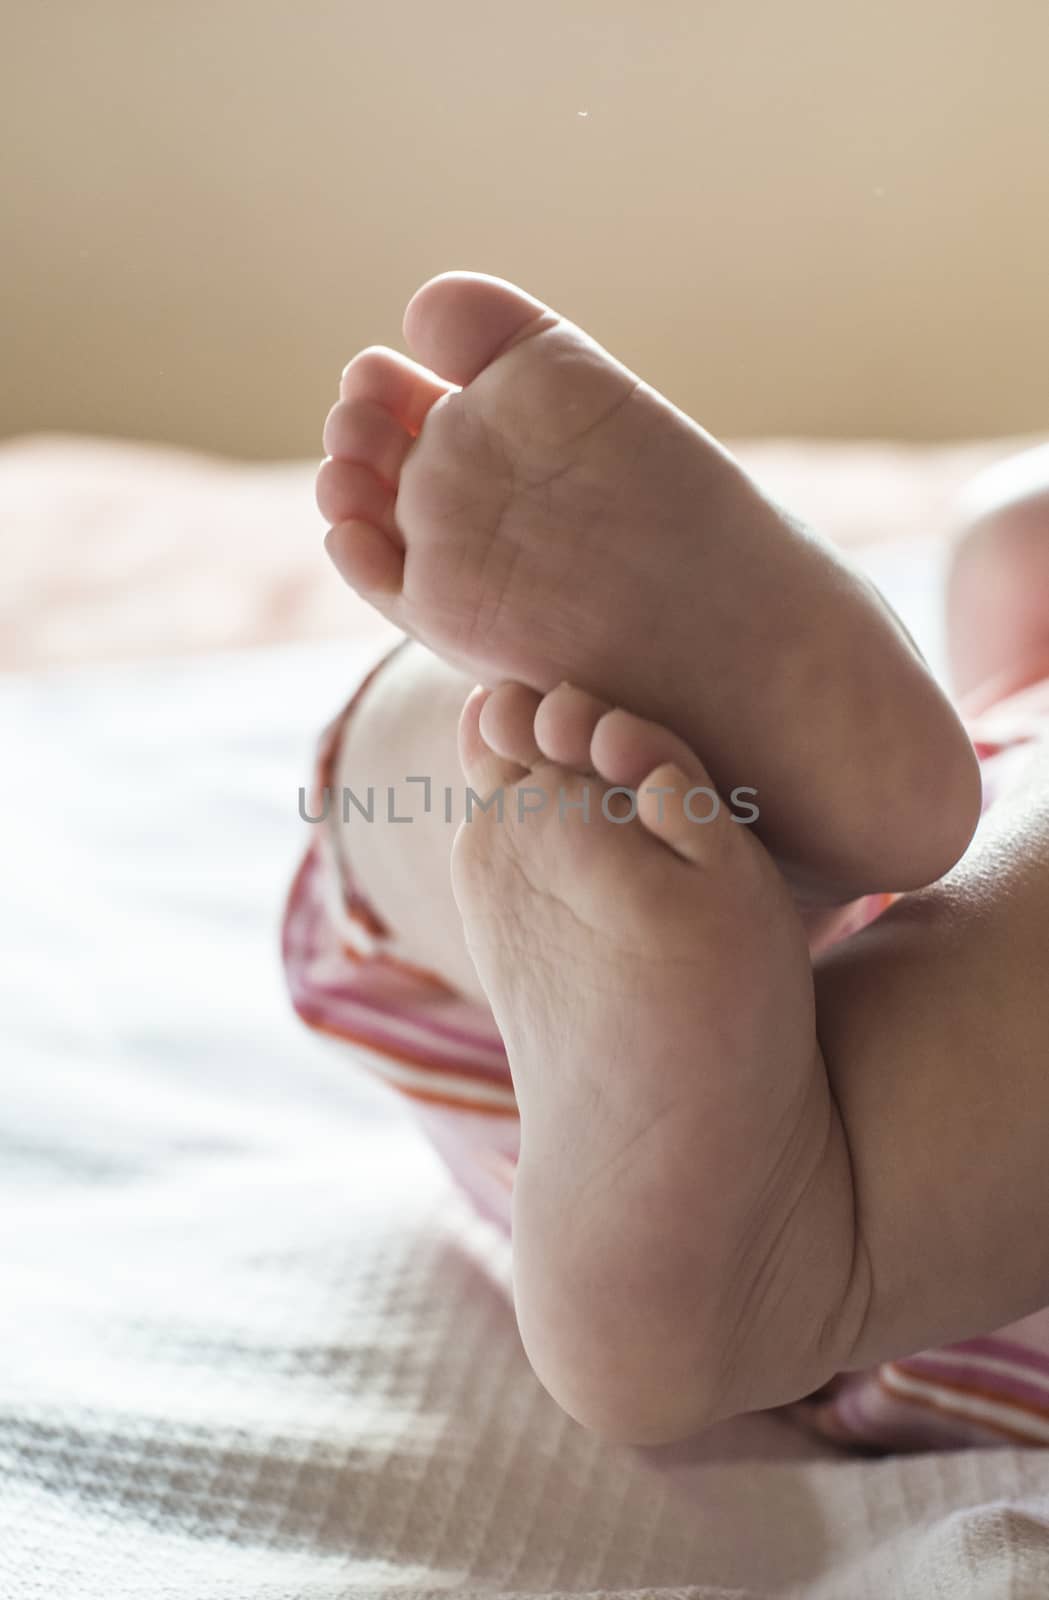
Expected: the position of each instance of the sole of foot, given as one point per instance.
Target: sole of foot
(521, 503)
(682, 1204)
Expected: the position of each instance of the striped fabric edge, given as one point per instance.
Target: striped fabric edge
(408, 1028)
(989, 1383)
(985, 1391)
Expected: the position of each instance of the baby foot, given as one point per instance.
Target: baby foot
(683, 1219)
(556, 518)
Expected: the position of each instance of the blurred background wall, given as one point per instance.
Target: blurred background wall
(803, 217)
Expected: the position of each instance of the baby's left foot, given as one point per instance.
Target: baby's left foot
(683, 1221)
(557, 518)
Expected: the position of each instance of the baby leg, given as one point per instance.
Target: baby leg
(405, 727)
(998, 591)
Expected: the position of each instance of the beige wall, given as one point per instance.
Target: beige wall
(809, 217)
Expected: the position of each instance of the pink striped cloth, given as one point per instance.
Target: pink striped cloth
(445, 1054)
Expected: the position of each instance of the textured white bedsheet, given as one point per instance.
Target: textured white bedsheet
(254, 1342)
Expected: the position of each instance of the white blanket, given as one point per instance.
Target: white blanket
(255, 1345)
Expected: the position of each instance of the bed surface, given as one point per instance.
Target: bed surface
(257, 1345)
(116, 551)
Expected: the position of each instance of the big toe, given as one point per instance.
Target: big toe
(486, 771)
(507, 723)
(459, 322)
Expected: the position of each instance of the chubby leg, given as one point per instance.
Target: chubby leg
(934, 1024)
(998, 590)
(406, 727)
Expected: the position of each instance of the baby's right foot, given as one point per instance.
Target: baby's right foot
(554, 518)
(683, 1218)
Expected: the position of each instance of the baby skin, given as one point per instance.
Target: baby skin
(741, 1170)
(556, 519)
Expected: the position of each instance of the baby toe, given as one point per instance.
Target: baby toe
(461, 321)
(362, 431)
(507, 723)
(677, 801)
(348, 491)
(485, 770)
(368, 560)
(681, 812)
(564, 725)
(404, 388)
(623, 748)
